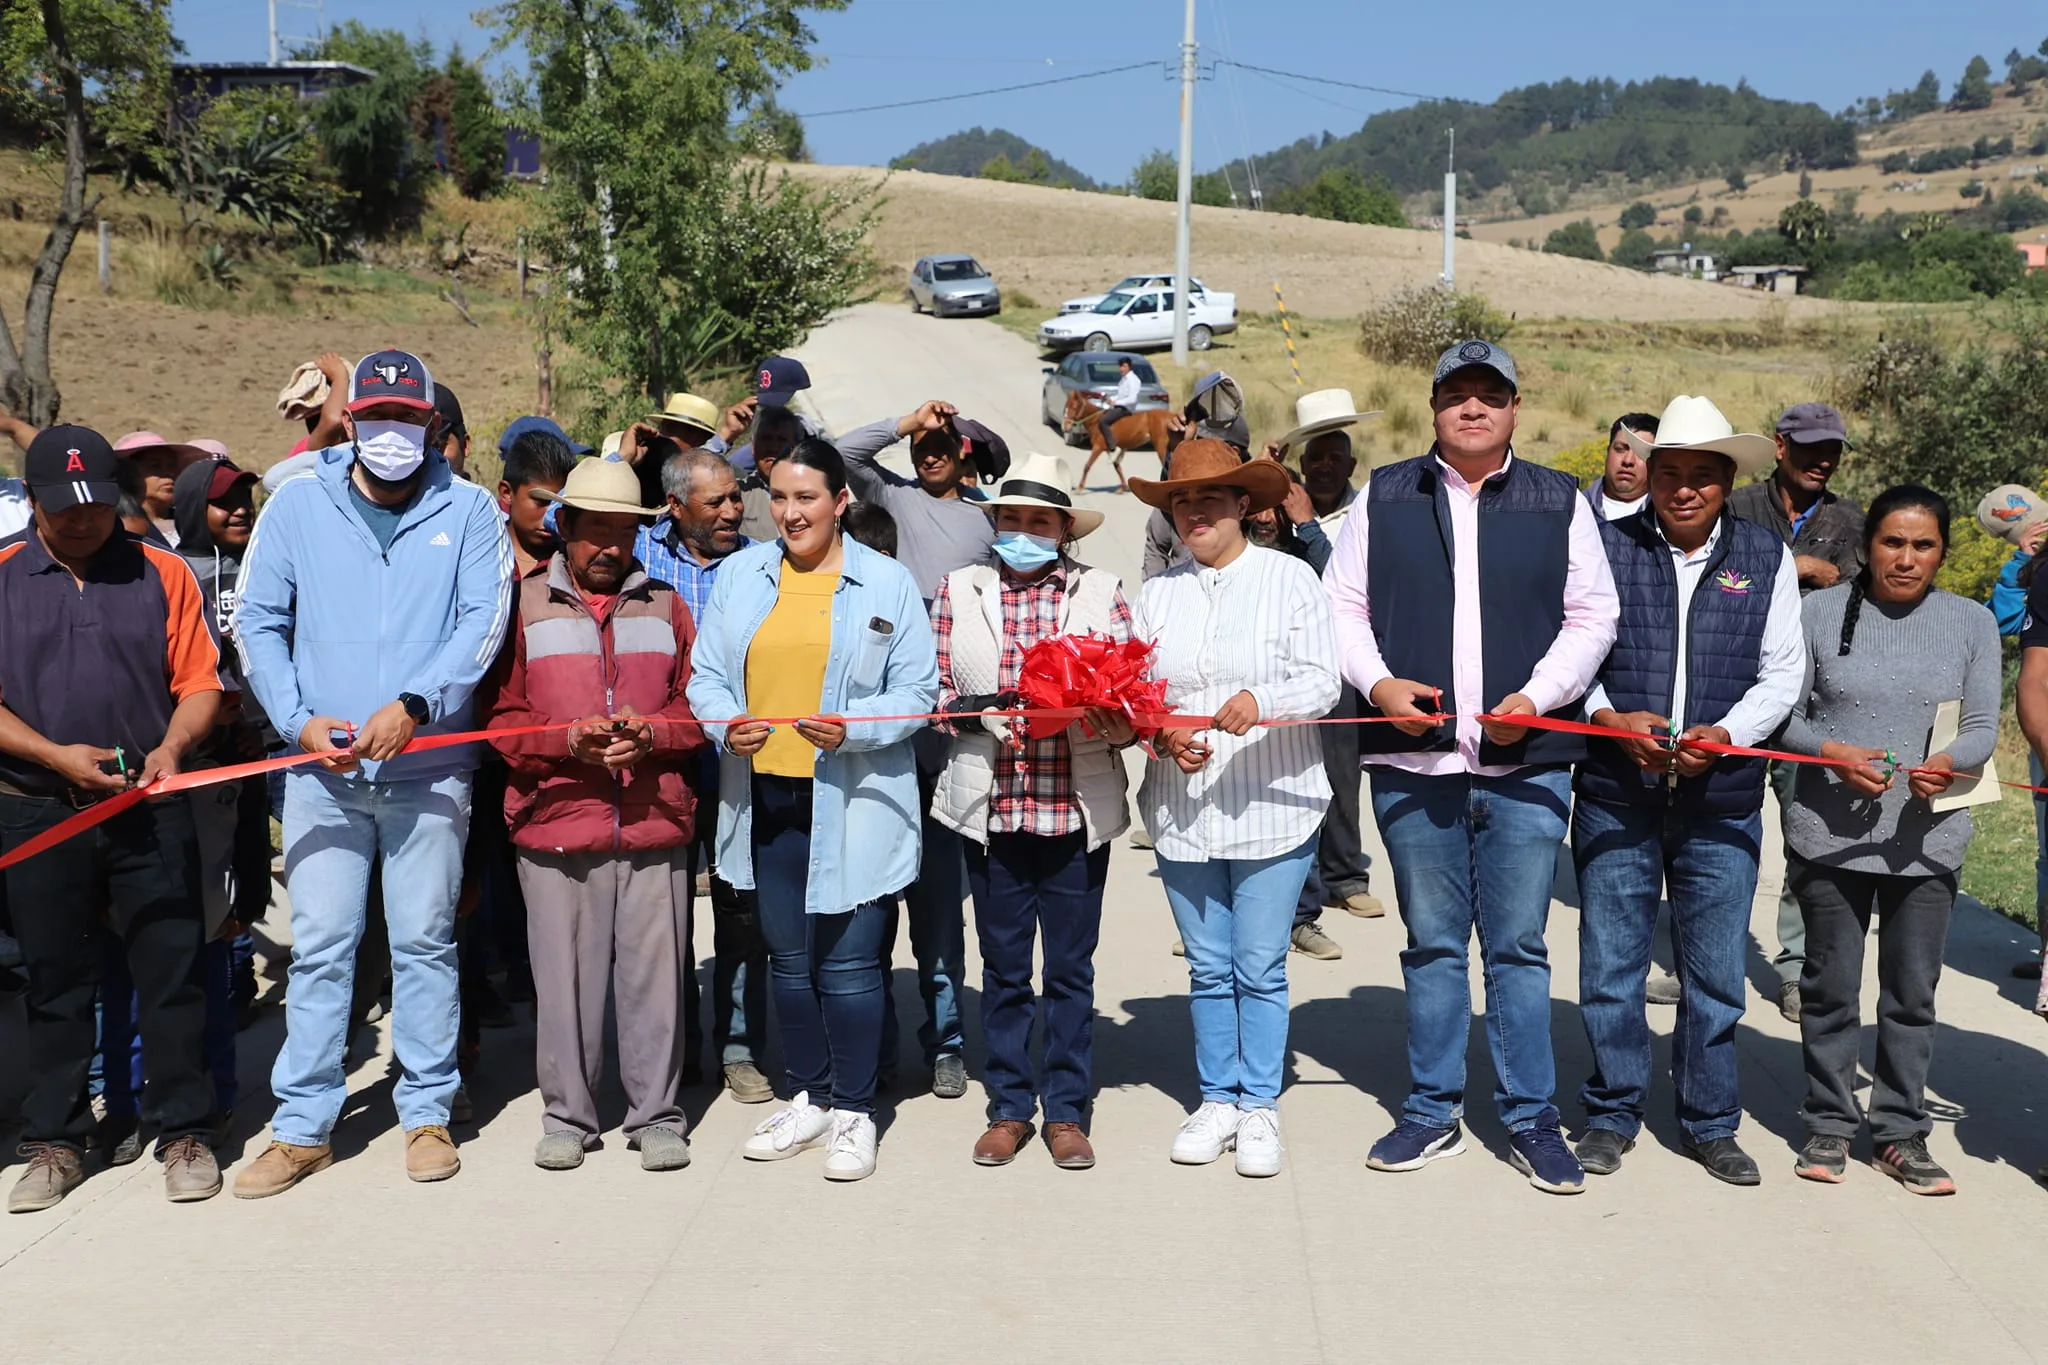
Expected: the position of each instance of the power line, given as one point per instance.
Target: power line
(977, 94)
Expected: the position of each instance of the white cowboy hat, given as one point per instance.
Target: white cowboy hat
(601, 485)
(1692, 423)
(1042, 481)
(1321, 411)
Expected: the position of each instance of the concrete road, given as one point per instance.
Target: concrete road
(937, 1259)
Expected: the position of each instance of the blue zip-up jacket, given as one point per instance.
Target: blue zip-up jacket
(329, 624)
(864, 810)
(2008, 600)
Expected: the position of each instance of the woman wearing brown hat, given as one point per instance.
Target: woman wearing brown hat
(1243, 635)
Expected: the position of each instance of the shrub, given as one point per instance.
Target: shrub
(1578, 239)
(1640, 214)
(1416, 326)
(1585, 461)
(1971, 567)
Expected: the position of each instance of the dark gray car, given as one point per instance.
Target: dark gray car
(954, 285)
(1095, 374)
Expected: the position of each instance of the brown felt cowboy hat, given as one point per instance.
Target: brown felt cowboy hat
(1208, 463)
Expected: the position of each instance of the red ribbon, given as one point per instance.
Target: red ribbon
(1070, 673)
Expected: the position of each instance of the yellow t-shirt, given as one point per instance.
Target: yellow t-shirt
(786, 667)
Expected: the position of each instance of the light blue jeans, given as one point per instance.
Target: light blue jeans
(1235, 917)
(333, 827)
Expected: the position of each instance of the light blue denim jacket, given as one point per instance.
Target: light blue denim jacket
(864, 830)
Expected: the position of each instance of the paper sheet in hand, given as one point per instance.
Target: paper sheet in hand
(1964, 791)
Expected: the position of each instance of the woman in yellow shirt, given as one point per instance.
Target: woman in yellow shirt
(818, 815)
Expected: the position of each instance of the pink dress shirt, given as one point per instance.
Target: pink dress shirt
(1563, 674)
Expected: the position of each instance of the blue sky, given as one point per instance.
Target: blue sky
(881, 51)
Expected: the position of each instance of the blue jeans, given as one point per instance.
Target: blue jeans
(1049, 889)
(1626, 856)
(334, 829)
(825, 970)
(938, 937)
(1475, 852)
(739, 964)
(1235, 917)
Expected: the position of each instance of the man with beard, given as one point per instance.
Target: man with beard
(597, 817)
(375, 573)
(685, 548)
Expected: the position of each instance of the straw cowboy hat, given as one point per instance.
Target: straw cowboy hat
(688, 409)
(1205, 463)
(1041, 481)
(602, 485)
(302, 394)
(1321, 411)
(1692, 423)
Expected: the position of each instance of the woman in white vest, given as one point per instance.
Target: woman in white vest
(1244, 636)
(1038, 815)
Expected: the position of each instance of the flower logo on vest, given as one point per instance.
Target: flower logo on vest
(1730, 581)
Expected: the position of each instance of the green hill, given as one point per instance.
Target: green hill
(971, 153)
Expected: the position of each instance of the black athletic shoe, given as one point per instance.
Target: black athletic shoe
(1907, 1162)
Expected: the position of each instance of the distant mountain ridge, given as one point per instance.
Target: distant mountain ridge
(968, 153)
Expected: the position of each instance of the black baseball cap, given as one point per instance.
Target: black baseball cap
(778, 379)
(450, 408)
(391, 377)
(989, 453)
(70, 467)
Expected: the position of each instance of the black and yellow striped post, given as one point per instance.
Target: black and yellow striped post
(1287, 333)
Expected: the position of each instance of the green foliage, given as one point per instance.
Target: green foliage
(1974, 560)
(122, 49)
(1694, 215)
(1737, 181)
(1585, 461)
(966, 153)
(366, 131)
(1532, 196)
(2014, 211)
(251, 155)
(1923, 98)
(1156, 177)
(775, 133)
(1931, 282)
(1580, 239)
(476, 131)
(1415, 326)
(1805, 225)
(1973, 91)
(1634, 250)
(1343, 194)
(681, 261)
(1641, 214)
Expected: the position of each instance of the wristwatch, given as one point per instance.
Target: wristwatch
(415, 706)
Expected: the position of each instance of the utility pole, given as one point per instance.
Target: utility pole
(1187, 189)
(1450, 275)
(275, 55)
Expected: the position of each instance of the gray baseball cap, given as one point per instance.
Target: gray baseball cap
(1805, 423)
(1476, 354)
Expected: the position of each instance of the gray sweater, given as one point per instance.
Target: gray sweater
(1902, 663)
(934, 536)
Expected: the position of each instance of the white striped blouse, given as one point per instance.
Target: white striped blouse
(1261, 624)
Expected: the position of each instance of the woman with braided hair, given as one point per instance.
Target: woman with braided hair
(1888, 649)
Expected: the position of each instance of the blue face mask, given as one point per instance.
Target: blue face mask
(1025, 552)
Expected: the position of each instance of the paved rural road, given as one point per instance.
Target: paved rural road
(936, 1259)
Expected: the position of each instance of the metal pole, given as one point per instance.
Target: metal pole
(1187, 188)
(273, 33)
(1450, 276)
(1287, 333)
(106, 258)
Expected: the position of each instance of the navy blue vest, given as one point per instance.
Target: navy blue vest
(1724, 642)
(1525, 519)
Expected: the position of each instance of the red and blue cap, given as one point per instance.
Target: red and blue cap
(391, 377)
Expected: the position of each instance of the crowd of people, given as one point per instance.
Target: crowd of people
(525, 725)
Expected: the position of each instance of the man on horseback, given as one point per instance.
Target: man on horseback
(1123, 401)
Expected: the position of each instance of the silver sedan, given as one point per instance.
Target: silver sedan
(954, 285)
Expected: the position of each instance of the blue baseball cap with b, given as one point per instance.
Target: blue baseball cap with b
(1476, 354)
(521, 425)
(779, 379)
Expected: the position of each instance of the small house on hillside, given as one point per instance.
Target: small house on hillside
(2036, 254)
(1700, 265)
(1775, 279)
(202, 81)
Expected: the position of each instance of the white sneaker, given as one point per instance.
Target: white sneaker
(1208, 1133)
(1258, 1143)
(797, 1128)
(850, 1154)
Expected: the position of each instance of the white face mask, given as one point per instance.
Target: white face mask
(391, 450)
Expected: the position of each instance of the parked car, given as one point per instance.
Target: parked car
(1144, 317)
(1095, 374)
(1130, 284)
(953, 285)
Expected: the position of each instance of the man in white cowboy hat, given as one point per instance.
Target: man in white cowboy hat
(1036, 818)
(600, 817)
(1709, 647)
(1341, 876)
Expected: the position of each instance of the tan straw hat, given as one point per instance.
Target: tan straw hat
(690, 410)
(1208, 463)
(302, 394)
(600, 485)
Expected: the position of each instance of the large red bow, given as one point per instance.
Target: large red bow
(1087, 671)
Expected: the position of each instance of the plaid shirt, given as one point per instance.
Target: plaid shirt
(1034, 791)
(660, 551)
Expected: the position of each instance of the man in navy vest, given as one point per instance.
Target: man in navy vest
(1474, 584)
(1710, 647)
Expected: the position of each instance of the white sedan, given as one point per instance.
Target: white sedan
(1129, 320)
(1131, 284)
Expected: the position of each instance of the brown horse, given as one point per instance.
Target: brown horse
(1148, 428)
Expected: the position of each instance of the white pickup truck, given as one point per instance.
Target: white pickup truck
(1130, 319)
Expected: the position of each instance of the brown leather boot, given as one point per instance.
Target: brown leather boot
(1070, 1149)
(430, 1153)
(281, 1166)
(998, 1146)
